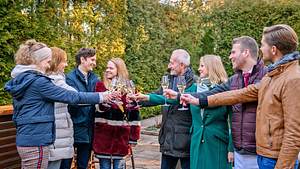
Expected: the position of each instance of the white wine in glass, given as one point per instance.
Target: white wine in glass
(165, 85)
(181, 84)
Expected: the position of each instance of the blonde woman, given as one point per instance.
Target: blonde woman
(63, 144)
(115, 127)
(211, 143)
(33, 97)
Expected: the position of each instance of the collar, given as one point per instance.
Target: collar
(281, 68)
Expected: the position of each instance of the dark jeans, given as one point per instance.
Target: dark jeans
(83, 156)
(269, 163)
(170, 162)
(107, 163)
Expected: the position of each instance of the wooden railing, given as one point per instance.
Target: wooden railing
(9, 157)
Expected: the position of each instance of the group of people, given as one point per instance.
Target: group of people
(249, 120)
(56, 114)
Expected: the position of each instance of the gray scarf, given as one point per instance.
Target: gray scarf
(285, 59)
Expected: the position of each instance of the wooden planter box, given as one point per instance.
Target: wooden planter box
(9, 157)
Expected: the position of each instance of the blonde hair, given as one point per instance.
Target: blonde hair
(215, 68)
(282, 36)
(24, 54)
(122, 71)
(58, 56)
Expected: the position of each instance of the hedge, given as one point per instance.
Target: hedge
(143, 32)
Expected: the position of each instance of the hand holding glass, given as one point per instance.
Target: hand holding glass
(165, 85)
(181, 84)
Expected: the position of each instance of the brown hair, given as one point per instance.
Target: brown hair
(122, 71)
(282, 36)
(247, 42)
(215, 69)
(58, 56)
(85, 53)
(23, 55)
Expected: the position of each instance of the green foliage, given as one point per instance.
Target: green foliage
(143, 32)
(239, 18)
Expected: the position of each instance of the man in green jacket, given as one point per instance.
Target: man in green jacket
(174, 136)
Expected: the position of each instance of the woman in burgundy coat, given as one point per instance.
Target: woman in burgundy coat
(117, 125)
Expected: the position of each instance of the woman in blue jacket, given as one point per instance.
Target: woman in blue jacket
(33, 100)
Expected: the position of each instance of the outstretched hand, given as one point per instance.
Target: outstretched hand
(170, 94)
(188, 99)
(141, 97)
(108, 97)
(137, 97)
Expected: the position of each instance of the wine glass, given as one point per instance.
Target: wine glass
(181, 84)
(165, 85)
(134, 90)
(113, 85)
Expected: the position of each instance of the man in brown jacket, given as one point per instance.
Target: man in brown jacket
(278, 96)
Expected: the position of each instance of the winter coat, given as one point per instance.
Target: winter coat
(278, 117)
(174, 135)
(63, 144)
(114, 129)
(33, 101)
(210, 135)
(82, 115)
(243, 114)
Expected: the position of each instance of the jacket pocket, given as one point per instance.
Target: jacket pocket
(182, 139)
(270, 143)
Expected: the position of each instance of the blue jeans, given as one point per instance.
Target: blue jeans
(66, 163)
(269, 163)
(54, 164)
(83, 156)
(106, 163)
(170, 162)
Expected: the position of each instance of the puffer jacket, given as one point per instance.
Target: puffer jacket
(243, 114)
(278, 116)
(33, 101)
(63, 144)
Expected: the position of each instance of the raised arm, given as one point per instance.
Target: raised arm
(202, 96)
(248, 94)
(54, 93)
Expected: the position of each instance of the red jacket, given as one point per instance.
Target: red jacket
(114, 129)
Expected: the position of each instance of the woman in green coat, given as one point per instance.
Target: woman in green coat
(211, 144)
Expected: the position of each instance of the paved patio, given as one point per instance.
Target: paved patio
(146, 153)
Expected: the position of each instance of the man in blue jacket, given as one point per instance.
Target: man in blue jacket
(84, 80)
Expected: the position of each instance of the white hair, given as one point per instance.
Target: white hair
(182, 56)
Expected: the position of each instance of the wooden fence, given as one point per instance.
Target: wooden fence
(9, 158)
